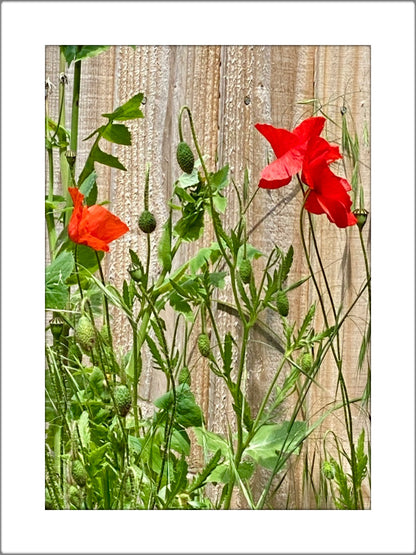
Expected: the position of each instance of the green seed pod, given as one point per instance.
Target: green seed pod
(184, 376)
(204, 345)
(282, 303)
(147, 222)
(79, 473)
(57, 326)
(185, 157)
(85, 333)
(136, 273)
(306, 362)
(245, 270)
(328, 470)
(122, 398)
(361, 215)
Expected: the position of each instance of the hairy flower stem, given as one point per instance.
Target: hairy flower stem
(50, 220)
(336, 355)
(75, 106)
(69, 177)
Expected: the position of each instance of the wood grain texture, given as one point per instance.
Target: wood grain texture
(229, 89)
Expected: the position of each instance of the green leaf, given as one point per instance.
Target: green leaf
(107, 159)
(251, 253)
(179, 304)
(201, 479)
(187, 180)
(219, 180)
(62, 133)
(89, 189)
(191, 226)
(217, 279)
(201, 258)
(127, 111)
(156, 354)
(117, 133)
(223, 473)
(87, 169)
(187, 412)
(183, 195)
(361, 460)
(74, 53)
(60, 269)
(57, 273)
(84, 430)
(135, 444)
(271, 439)
(211, 441)
(286, 265)
(180, 442)
(87, 263)
(96, 456)
(164, 250)
(220, 203)
(126, 294)
(288, 386)
(306, 322)
(135, 259)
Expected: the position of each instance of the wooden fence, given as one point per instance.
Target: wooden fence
(229, 89)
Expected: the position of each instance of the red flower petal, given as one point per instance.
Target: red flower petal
(105, 225)
(310, 127)
(289, 148)
(93, 226)
(328, 193)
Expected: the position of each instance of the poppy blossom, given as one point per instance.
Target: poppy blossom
(93, 226)
(328, 193)
(289, 148)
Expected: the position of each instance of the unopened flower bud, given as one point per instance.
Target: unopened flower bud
(185, 157)
(282, 303)
(204, 344)
(147, 222)
(245, 270)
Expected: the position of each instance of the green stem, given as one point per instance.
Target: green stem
(50, 220)
(337, 356)
(239, 415)
(367, 267)
(69, 173)
(75, 106)
(136, 375)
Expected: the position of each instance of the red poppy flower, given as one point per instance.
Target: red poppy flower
(93, 225)
(289, 148)
(328, 193)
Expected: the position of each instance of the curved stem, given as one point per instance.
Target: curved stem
(337, 355)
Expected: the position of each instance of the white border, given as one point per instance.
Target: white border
(389, 28)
